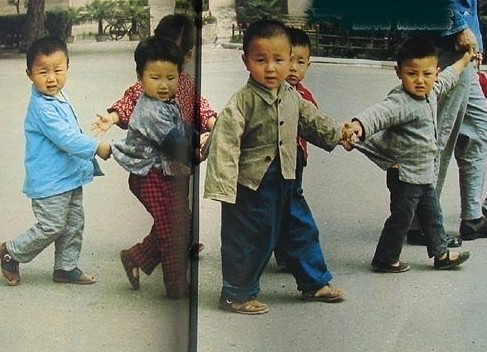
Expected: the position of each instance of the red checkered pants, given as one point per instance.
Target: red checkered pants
(166, 199)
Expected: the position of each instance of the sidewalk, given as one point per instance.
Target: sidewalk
(419, 311)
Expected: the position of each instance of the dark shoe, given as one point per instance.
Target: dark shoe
(416, 238)
(129, 267)
(383, 267)
(10, 267)
(251, 307)
(473, 229)
(448, 263)
(453, 241)
(75, 276)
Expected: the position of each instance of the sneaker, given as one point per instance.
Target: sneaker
(384, 267)
(327, 293)
(10, 267)
(473, 229)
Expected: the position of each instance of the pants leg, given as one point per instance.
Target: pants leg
(404, 198)
(470, 153)
(52, 214)
(300, 246)
(431, 220)
(249, 233)
(166, 199)
(68, 247)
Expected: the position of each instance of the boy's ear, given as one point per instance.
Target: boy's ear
(188, 56)
(28, 73)
(398, 71)
(245, 61)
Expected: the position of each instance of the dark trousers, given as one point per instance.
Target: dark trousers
(406, 199)
(251, 229)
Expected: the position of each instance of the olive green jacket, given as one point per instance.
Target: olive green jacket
(254, 128)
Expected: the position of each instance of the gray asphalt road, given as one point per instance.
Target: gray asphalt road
(421, 310)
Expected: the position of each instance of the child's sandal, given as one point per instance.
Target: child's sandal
(130, 267)
(251, 307)
(75, 276)
(327, 293)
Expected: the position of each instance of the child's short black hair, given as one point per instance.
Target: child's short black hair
(415, 48)
(45, 46)
(175, 26)
(299, 38)
(154, 49)
(264, 29)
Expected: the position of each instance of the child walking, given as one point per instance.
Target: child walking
(59, 161)
(251, 170)
(400, 136)
(300, 63)
(157, 153)
(180, 29)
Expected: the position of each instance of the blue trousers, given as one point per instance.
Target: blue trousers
(406, 200)
(251, 229)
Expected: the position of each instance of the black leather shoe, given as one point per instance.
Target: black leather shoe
(473, 229)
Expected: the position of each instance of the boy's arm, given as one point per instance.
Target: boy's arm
(122, 109)
(64, 136)
(317, 127)
(224, 154)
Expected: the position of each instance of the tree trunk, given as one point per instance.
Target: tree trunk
(34, 25)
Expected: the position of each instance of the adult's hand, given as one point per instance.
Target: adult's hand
(467, 41)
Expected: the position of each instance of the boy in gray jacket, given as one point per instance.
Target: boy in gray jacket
(400, 136)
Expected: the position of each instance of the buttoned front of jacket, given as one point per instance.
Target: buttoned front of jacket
(254, 128)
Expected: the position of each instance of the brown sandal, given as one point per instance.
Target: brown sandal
(130, 267)
(251, 307)
(327, 293)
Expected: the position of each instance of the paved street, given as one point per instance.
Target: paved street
(418, 311)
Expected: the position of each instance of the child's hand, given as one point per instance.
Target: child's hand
(104, 122)
(204, 145)
(351, 133)
(104, 150)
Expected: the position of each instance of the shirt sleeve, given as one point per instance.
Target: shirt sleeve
(67, 138)
(125, 105)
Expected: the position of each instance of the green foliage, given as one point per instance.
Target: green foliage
(252, 10)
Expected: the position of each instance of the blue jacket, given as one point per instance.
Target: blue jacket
(58, 156)
(468, 12)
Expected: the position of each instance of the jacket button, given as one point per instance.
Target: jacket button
(268, 158)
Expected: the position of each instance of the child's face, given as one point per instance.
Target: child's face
(418, 75)
(49, 73)
(268, 61)
(299, 64)
(160, 79)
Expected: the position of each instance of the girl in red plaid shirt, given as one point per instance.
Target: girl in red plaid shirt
(180, 29)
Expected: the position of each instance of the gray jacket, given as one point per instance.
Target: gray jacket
(401, 131)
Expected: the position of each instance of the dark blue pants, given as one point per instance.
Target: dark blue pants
(406, 199)
(250, 231)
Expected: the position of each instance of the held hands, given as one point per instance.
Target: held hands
(103, 123)
(352, 132)
(104, 150)
(204, 145)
